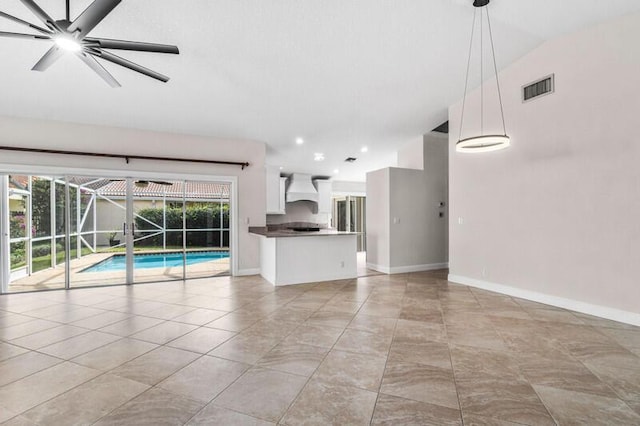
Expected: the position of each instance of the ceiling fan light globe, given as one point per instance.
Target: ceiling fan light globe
(69, 44)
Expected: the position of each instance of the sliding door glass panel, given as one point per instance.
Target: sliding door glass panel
(158, 223)
(207, 229)
(32, 223)
(349, 214)
(19, 232)
(97, 246)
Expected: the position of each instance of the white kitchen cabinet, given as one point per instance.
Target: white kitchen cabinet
(281, 195)
(324, 195)
(275, 189)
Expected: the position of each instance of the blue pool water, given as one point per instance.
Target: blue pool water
(160, 260)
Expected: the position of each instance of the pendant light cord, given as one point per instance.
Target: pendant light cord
(466, 81)
(495, 67)
(481, 75)
(67, 10)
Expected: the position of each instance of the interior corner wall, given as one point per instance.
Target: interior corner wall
(554, 218)
(405, 232)
(418, 232)
(377, 208)
(78, 137)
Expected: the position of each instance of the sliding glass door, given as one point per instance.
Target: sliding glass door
(81, 231)
(207, 229)
(158, 237)
(36, 232)
(97, 218)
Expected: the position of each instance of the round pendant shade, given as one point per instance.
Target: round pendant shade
(483, 143)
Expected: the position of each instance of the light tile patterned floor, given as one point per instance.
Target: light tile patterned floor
(403, 349)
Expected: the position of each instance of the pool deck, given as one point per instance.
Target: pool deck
(54, 278)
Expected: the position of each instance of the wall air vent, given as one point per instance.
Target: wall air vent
(544, 86)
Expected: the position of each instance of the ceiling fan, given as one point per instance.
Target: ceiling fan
(73, 36)
(145, 183)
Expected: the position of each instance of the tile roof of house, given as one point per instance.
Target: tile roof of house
(203, 190)
(118, 188)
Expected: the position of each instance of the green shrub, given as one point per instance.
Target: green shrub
(41, 250)
(202, 216)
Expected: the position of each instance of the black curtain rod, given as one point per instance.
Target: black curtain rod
(124, 157)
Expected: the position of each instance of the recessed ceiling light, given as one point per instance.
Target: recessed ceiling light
(318, 156)
(281, 168)
(299, 141)
(364, 149)
(336, 171)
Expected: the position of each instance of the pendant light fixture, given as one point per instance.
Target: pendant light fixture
(482, 142)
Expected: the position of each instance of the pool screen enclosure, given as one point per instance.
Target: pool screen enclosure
(58, 226)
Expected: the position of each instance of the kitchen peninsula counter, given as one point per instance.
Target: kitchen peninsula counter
(276, 233)
(293, 257)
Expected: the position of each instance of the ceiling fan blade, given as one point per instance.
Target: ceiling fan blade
(139, 46)
(41, 14)
(20, 35)
(92, 16)
(28, 24)
(107, 56)
(48, 59)
(99, 69)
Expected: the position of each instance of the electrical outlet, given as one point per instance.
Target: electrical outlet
(484, 272)
(460, 221)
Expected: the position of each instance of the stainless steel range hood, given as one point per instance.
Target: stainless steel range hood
(301, 189)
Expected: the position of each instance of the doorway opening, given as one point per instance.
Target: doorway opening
(349, 214)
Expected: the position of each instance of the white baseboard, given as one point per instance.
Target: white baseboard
(561, 302)
(406, 269)
(245, 272)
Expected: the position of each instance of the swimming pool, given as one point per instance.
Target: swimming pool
(118, 262)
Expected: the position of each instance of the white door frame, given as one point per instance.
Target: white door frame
(5, 261)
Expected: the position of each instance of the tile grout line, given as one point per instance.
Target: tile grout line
(251, 366)
(386, 361)
(297, 397)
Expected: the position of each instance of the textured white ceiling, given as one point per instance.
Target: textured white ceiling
(339, 73)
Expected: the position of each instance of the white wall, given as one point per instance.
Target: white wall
(411, 155)
(77, 137)
(343, 187)
(554, 218)
(378, 238)
(411, 234)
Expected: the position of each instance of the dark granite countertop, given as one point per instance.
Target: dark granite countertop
(280, 233)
